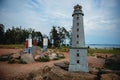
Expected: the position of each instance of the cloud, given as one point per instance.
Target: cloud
(101, 16)
(22, 14)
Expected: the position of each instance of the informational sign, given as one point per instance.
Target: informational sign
(45, 41)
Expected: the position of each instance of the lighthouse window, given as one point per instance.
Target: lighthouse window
(77, 54)
(77, 18)
(77, 36)
(78, 61)
(77, 42)
(77, 24)
(77, 50)
(77, 30)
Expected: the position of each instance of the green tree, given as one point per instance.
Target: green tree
(59, 35)
(10, 36)
(16, 35)
(40, 38)
(63, 35)
(2, 38)
(55, 37)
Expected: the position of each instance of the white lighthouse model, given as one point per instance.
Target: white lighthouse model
(30, 44)
(78, 51)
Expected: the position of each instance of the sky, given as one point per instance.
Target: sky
(101, 17)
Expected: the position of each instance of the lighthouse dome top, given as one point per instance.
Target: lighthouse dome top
(77, 7)
(77, 10)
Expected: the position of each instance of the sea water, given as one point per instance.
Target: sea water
(103, 45)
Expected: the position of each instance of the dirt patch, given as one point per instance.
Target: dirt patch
(8, 51)
(10, 71)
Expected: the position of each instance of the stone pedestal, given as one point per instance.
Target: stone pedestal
(78, 59)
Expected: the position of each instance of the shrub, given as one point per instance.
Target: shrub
(44, 59)
(31, 76)
(90, 52)
(112, 66)
(56, 58)
(100, 57)
(22, 61)
(61, 56)
(4, 58)
(11, 61)
(64, 49)
(113, 62)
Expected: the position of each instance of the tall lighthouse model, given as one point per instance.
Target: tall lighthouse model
(78, 51)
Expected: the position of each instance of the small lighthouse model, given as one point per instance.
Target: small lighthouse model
(30, 44)
(35, 42)
(78, 51)
(45, 43)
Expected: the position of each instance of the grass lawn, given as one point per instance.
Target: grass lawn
(66, 49)
(103, 51)
(12, 46)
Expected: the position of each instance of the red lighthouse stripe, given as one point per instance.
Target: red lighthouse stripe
(26, 44)
(35, 42)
